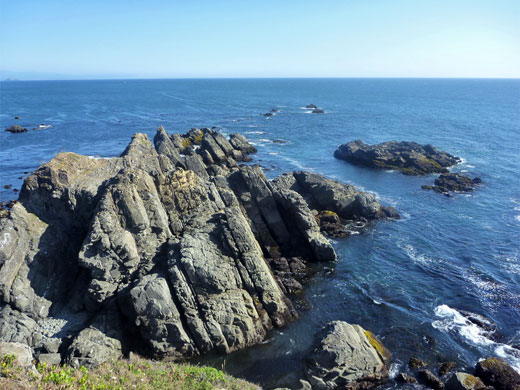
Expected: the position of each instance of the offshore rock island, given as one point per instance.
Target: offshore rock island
(171, 250)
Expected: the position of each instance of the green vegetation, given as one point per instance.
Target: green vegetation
(139, 374)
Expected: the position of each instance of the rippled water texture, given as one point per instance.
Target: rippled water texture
(407, 281)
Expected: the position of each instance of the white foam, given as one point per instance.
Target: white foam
(394, 370)
(452, 321)
(256, 132)
(100, 158)
(414, 256)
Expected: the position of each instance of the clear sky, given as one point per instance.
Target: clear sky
(249, 38)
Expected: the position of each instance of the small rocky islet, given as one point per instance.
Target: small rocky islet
(409, 158)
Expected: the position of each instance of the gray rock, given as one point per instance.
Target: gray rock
(102, 257)
(164, 145)
(409, 158)
(23, 353)
(98, 343)
(464, 381)
(347, 357)
(51, 359)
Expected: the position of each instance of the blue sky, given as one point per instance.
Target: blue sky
(220, 38)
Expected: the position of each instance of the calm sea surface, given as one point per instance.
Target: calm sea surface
(406, 281)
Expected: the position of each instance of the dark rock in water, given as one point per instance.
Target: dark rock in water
(347, 357)
(162, 254)
(409, 158)
(8, 186)
(318, 111)
(498, 373)
(267, 114)
(331, 224)
(405, 378)
(279, 141)
(274, 110)
(464, 381)
(429, 379)
(446, 367)
(17, 117)
(16, 129)
(453, 182)
(310, 106)
(15, 190)
(415, 362)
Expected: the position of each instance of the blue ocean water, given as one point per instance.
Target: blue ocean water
(406, 281)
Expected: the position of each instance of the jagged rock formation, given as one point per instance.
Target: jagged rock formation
(453, 182)
(347, 357)
(409, 158)
(170, 250)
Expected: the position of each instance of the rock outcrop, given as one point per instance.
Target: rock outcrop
(347, 357)
(409, 158)
(170, 250)
(453, 182)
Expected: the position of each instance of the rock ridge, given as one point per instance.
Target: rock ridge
(170, 250)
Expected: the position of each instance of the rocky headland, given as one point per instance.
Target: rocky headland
(171, 250)
(409, 158)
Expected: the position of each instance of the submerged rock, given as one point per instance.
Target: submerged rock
(347, 357)
(160, 253)
(409, 158)
(318, 111)
(453, 182)
(16, 129)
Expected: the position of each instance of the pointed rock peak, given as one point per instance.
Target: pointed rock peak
(140, 144)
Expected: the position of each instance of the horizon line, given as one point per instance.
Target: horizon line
(9, 79)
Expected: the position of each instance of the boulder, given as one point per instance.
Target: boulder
(446, 367)
(22, 352)
(405, 378)
(310, 106)
(498, 373)
(428, 378)
(318, 111)
(347, 357)
(409, 158)
(464, 381)
(415, 362)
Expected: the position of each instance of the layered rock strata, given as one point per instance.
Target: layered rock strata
(170, 250)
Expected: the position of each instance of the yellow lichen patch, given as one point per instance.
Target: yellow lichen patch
(197, 140)
(374, 342)
(185, 143)
(470, 381)
(329, 213)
